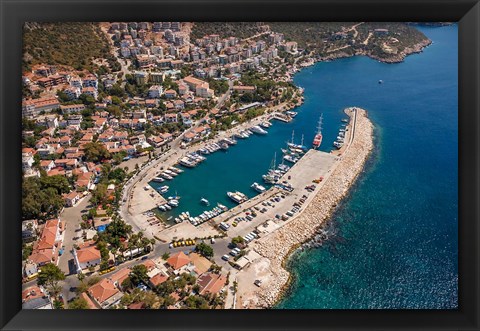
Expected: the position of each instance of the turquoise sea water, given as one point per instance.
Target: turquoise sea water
(393, 241)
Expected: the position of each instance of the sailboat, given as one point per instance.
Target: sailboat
(317, 141)
(271, 176)
(292, 144)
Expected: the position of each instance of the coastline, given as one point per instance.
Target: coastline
(275, 249)
(271, 293)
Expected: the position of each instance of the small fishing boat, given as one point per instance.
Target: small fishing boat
(173, 203)
(163, 189)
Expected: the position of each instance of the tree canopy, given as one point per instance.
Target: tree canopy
(204, 249)
(78, 303)
(49, 276)
(95, 152)
(42, 197)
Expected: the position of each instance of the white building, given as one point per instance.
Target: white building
(155, 91)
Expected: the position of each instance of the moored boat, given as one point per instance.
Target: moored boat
(177, 170)
(186, 162)
(257, 187)
(290, 158)
(163, 189)
(173, 203)
(258, 130)
(166, 176)
(317, 141)
(237, 196)
(224, 146)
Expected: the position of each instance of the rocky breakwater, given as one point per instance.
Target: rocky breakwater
(279, 244)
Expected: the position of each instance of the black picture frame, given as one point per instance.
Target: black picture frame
(15, 13)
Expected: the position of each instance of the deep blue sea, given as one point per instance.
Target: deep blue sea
(395, 238)
(393, 241)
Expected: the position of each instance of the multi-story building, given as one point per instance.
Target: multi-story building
(156, 77)
(33, 107)
(157, 50)
(141, 77)
(155, 91)
(91, 91)
(69, 109)
(90, 81)
(72, 92)
(146, 61)
(125, 52)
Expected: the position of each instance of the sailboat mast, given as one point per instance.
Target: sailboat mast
(319, 127)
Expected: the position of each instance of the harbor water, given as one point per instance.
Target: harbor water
(394, 239)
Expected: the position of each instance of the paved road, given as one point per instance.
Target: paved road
(71, 281)
(73, 217)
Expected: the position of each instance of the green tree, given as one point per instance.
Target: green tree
(196, 302)
(78, 303)
(139, 274)
(95, 152)
(99, 195)
(238, 240)
(204, 249)
(58, 304)
(49, 276)
(57, 182)
(40, 200)
(87, 99)
(127, 283)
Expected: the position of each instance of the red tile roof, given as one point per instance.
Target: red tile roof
(178, 260)
(103, 290)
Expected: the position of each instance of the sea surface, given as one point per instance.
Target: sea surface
(393, 241)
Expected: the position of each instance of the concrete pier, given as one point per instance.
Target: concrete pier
(275, 247)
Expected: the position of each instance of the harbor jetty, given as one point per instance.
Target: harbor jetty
(271, 250)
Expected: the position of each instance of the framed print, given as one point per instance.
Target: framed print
(237, 164)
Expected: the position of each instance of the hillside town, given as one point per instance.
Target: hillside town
(81, 132)
(99, 138)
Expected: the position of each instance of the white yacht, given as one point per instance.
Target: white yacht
(257, 129)
(290, 158)
(173, 203)
(166, 176)
(163, 189)
(237, 196)
(257, 187)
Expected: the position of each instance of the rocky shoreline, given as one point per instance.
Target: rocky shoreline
(277, 246)
(395, 58)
